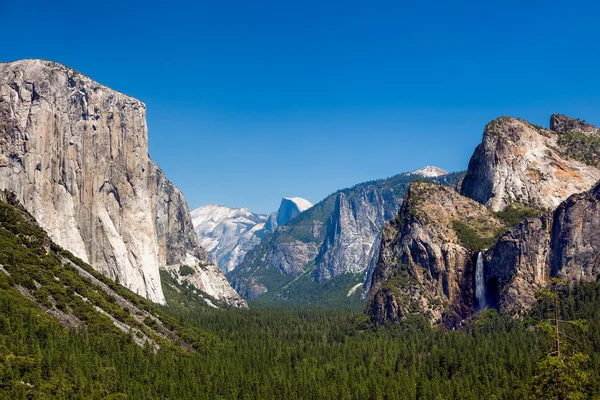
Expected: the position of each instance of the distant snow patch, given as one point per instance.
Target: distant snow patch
(429, 172)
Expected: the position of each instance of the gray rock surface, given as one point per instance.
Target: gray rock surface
(289, 209)
(423, 267)
(353, 231)
(76, 155)
(518, 162)
(338, 236)
(563, 243)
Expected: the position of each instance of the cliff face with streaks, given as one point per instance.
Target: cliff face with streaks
(528, 203)
(563, 244)
(76, 155)
(423, 265)
(518, 162)
(337, 238)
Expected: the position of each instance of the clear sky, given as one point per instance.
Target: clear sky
(252, 100)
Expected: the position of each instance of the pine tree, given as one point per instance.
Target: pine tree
(561, 375)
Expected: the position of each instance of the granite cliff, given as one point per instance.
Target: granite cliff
(289, 209)
(536, 218)
(562, 244)
(337, 238)
(518, 162)
(426, 262)
(75, 153)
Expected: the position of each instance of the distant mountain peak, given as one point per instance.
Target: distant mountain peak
(301, 203)
(430, 172)
(289, 208)
(227, 233)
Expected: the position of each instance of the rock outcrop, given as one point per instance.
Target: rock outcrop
(519, 172)
(76, 155)
(426, 265)
(227, 233)
(353, 231)
(289, 209)
(563, 244)
(337, 237)
(518, 162)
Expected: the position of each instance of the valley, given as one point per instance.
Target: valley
(427, 284)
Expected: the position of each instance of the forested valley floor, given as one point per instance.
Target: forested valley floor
(269, 353)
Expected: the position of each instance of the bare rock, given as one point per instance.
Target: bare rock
(563, 243)
(518, 162)
(423, 267)
(76, 155)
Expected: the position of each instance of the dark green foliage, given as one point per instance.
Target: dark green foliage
(471, 239)
(562, 373)
(516, 213)
(183, 297)
(184, 270)
(477, 238)
(271, 353)
(261, 353)
(580, 146)
(305, 291)
(560, 378)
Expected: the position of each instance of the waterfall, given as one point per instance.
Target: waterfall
(480, 283)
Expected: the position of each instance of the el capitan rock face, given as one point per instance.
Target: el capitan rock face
(423, 267)
(518, 162)
(76, 155)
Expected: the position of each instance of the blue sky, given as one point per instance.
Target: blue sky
(249, 101)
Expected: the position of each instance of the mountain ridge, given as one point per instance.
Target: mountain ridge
(520, 176)
(292, 250)
(228, 233)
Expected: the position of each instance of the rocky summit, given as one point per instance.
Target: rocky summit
(526, 212)
(518, 162)
(227, 233)
(75, 153)
(289, 209)
(426, 262)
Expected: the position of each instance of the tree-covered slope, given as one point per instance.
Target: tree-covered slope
(56, 345)
(266, 353)
(52, 282)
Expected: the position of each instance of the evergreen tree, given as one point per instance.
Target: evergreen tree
(562, 374)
